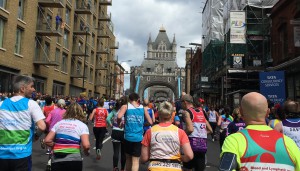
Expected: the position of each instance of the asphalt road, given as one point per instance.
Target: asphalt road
(39, 157)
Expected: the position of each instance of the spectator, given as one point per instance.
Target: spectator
(18, 115)
(258, 146)
(58, 21)
(66, 138)
(238, 123)
(164, 153)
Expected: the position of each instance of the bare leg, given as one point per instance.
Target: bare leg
(135, 163)
(128, 162)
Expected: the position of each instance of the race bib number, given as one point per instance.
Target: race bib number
(156, 165)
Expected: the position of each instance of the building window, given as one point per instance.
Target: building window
(66, 36)
(64, 62)
(1, 31)
(46, 51)
(91, 75)
(57, 57)
(148, 69)
(169, 79)
(67, 16)
(2, 3)
(148, 78)
(86, 73)
(92, 58)
(58, 89)
(283, 36)
(18, 41)
(39, 85)
(21, 9)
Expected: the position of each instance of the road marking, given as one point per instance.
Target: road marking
(108, 138)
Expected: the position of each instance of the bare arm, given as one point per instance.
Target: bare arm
(153, 117)
(145, 154)
(208, 127)
(148, 116)
(278, 127)
(85, 143)
(121, 113)
(188, 153)
(49, 140)
(219, 121)
(41, 125)
(189, 124)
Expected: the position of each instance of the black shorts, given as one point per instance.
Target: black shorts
(117, 135)
(133, 148)
(198, 162)
(23, 164)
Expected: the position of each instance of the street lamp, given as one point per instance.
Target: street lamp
(87, 29)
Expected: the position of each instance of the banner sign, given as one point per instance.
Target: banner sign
(272, 86)
(238, 27)
(237, 60)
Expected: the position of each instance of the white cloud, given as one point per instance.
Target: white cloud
(134, 20)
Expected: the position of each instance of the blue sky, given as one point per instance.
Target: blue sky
(134, 20)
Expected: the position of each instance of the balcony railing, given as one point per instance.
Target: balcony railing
(105, 2)
(103, 51)
(80, 51)
(42, 58)
(52, 3)
(102, 34)
(104, 17)
(82, 7)
(114, 46)
(79, 29)
(101, 67)
(46, 28)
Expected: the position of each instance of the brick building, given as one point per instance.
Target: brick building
(58, 42)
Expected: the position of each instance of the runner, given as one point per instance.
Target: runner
(258, 147)
(99, 115)
(237, 124)
(66, 137)
(291, 125)
(18, 115)
(213, 115)
(224, 120)
(133, 131)
(197, 128)
(151, 114)
(117, 135)
(164, 153)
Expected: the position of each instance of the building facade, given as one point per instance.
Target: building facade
(65, 45)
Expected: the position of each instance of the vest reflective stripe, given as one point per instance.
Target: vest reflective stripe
(165, 143)
(291, 128)
(17, 127)
(265, 150)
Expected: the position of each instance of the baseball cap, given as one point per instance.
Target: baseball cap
(61, 102)
(187, 98)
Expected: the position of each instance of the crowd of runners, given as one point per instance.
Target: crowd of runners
(256, 135)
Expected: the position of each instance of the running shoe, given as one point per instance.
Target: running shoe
(116, 169)
(98, 154)
(43, 146)
(48, 152)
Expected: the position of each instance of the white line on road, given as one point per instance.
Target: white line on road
(108, 138)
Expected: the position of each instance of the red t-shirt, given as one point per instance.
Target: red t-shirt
(100, 117)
